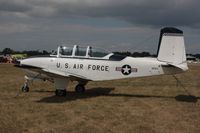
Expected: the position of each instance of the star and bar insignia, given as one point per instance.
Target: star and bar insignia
(126, 69)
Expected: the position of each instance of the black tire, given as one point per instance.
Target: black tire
(25, 88)
(80, 88)
(61, 93)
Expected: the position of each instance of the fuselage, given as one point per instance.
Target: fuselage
(100, 69)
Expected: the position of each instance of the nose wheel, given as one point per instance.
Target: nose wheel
(25, 88)
(80, 88)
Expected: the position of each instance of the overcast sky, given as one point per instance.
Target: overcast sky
(116, 25)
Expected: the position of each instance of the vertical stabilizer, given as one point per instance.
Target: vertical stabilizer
(171, 47)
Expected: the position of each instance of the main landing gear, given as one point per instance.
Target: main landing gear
(61, 92)
(80, 88)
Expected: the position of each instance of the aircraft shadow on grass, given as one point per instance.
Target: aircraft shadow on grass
(95, 92)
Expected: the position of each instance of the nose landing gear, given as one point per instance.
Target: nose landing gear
(25, 88)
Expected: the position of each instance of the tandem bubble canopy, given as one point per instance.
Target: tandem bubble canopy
(83, 52)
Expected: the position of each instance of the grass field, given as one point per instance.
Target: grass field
(151, 104)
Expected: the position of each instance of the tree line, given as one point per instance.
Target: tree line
(6, 51)
(44, 52)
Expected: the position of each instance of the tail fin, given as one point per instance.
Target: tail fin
(171, 48)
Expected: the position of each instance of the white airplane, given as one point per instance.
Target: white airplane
(85, 64)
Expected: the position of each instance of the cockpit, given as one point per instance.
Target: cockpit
(81, 52)
(85, 52)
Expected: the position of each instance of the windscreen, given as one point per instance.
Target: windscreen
(66, 51)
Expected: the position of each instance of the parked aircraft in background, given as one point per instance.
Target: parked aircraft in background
(85, 64)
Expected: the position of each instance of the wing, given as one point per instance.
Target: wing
(54, 73)
(72, 76)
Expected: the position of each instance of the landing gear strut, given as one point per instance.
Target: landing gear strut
(60, 92)
(80, 88)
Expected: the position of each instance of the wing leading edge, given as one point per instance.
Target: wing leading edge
(54, 73)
